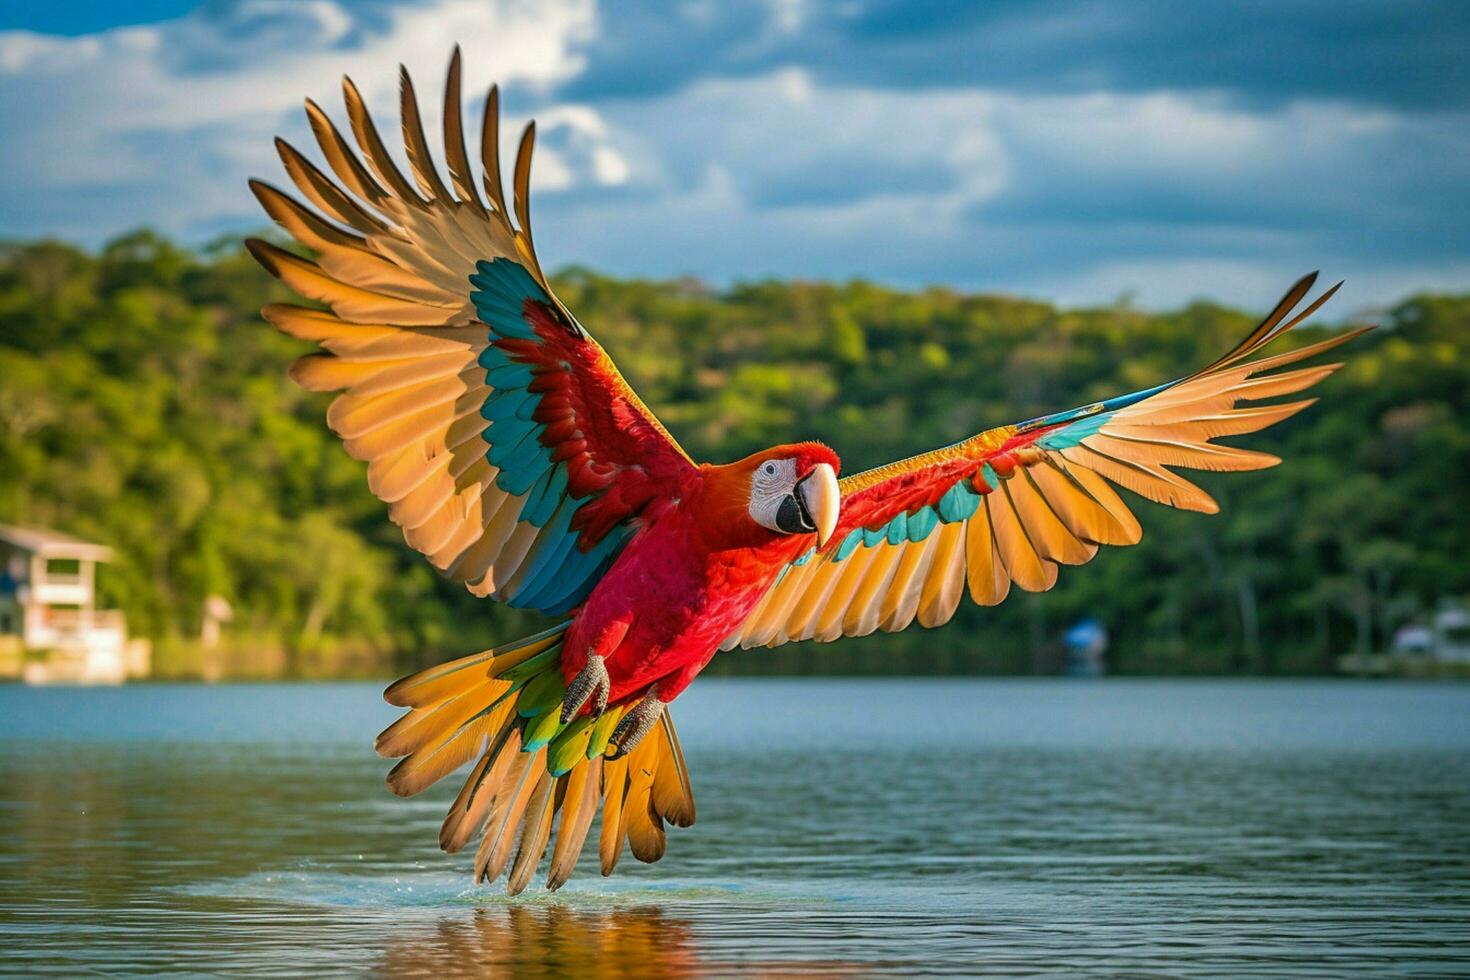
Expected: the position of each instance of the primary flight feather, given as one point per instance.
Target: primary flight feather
(518, 461)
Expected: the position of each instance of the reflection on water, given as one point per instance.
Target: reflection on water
(641, 941)
(623, 943)
(845, 827)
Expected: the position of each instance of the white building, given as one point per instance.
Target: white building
(1446, 639)
(49, 614)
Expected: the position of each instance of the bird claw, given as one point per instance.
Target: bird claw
(592, 682)
(636, 724)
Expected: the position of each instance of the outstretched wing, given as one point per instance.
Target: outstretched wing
(502, 437)
(1012, 504)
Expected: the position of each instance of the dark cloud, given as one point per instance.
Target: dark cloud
(1070, 149)
(1407, 55)
(647, 48)
(1403, 54)
(226, 35)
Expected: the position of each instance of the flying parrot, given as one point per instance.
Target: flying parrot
(516, 458)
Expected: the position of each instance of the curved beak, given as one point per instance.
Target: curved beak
(822, 500)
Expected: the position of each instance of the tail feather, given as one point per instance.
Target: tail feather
(673, 799)
(642, 823)
(431, 686)
(542, 696)
(510, 805)
(429, 725)
(536, 779)
(459, 822)
(584, 783)
(569, 749)
(417, 772)
(470, 813)
(602, 731)
(536, 831)
(614, 788)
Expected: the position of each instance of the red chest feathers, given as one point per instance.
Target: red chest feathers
(668, 601)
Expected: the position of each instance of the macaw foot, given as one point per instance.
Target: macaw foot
(637, 723)
(592, 682)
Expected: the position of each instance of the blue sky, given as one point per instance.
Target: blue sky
(1075, 151)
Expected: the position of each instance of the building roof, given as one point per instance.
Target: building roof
(52, 544)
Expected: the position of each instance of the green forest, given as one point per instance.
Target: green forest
(144, 404)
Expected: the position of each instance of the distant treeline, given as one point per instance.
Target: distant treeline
(144, 404)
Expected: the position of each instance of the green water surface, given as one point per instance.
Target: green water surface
(848, 827)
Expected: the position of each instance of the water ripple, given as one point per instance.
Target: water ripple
(846, 828)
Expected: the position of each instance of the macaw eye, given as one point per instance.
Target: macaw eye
(769, 469)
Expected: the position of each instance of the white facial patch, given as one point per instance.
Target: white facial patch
(773, 481)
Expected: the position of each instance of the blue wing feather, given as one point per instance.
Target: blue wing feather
(560, 574)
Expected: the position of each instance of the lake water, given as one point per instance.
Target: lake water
(849, 827)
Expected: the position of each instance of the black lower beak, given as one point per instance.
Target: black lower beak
(792, 517)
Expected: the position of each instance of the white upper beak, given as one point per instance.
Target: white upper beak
(823, 500)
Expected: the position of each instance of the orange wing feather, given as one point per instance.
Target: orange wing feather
(1013, 504)
(444, 379)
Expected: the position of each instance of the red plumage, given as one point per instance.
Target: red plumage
(687, 578)
(517, 459)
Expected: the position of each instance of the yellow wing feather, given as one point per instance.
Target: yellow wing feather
(391, 257)
(1048, 506)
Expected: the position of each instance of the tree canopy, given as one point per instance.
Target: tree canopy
(144, 404)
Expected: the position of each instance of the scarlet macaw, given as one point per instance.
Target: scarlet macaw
(513, 455)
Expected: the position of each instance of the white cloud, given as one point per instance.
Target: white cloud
(779, 175)
(789, 143)
(609, 166)
(1200, 134)
(784, 172)
(162, 124)
(262, 56)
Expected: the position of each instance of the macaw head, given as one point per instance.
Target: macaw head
(786, 490)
